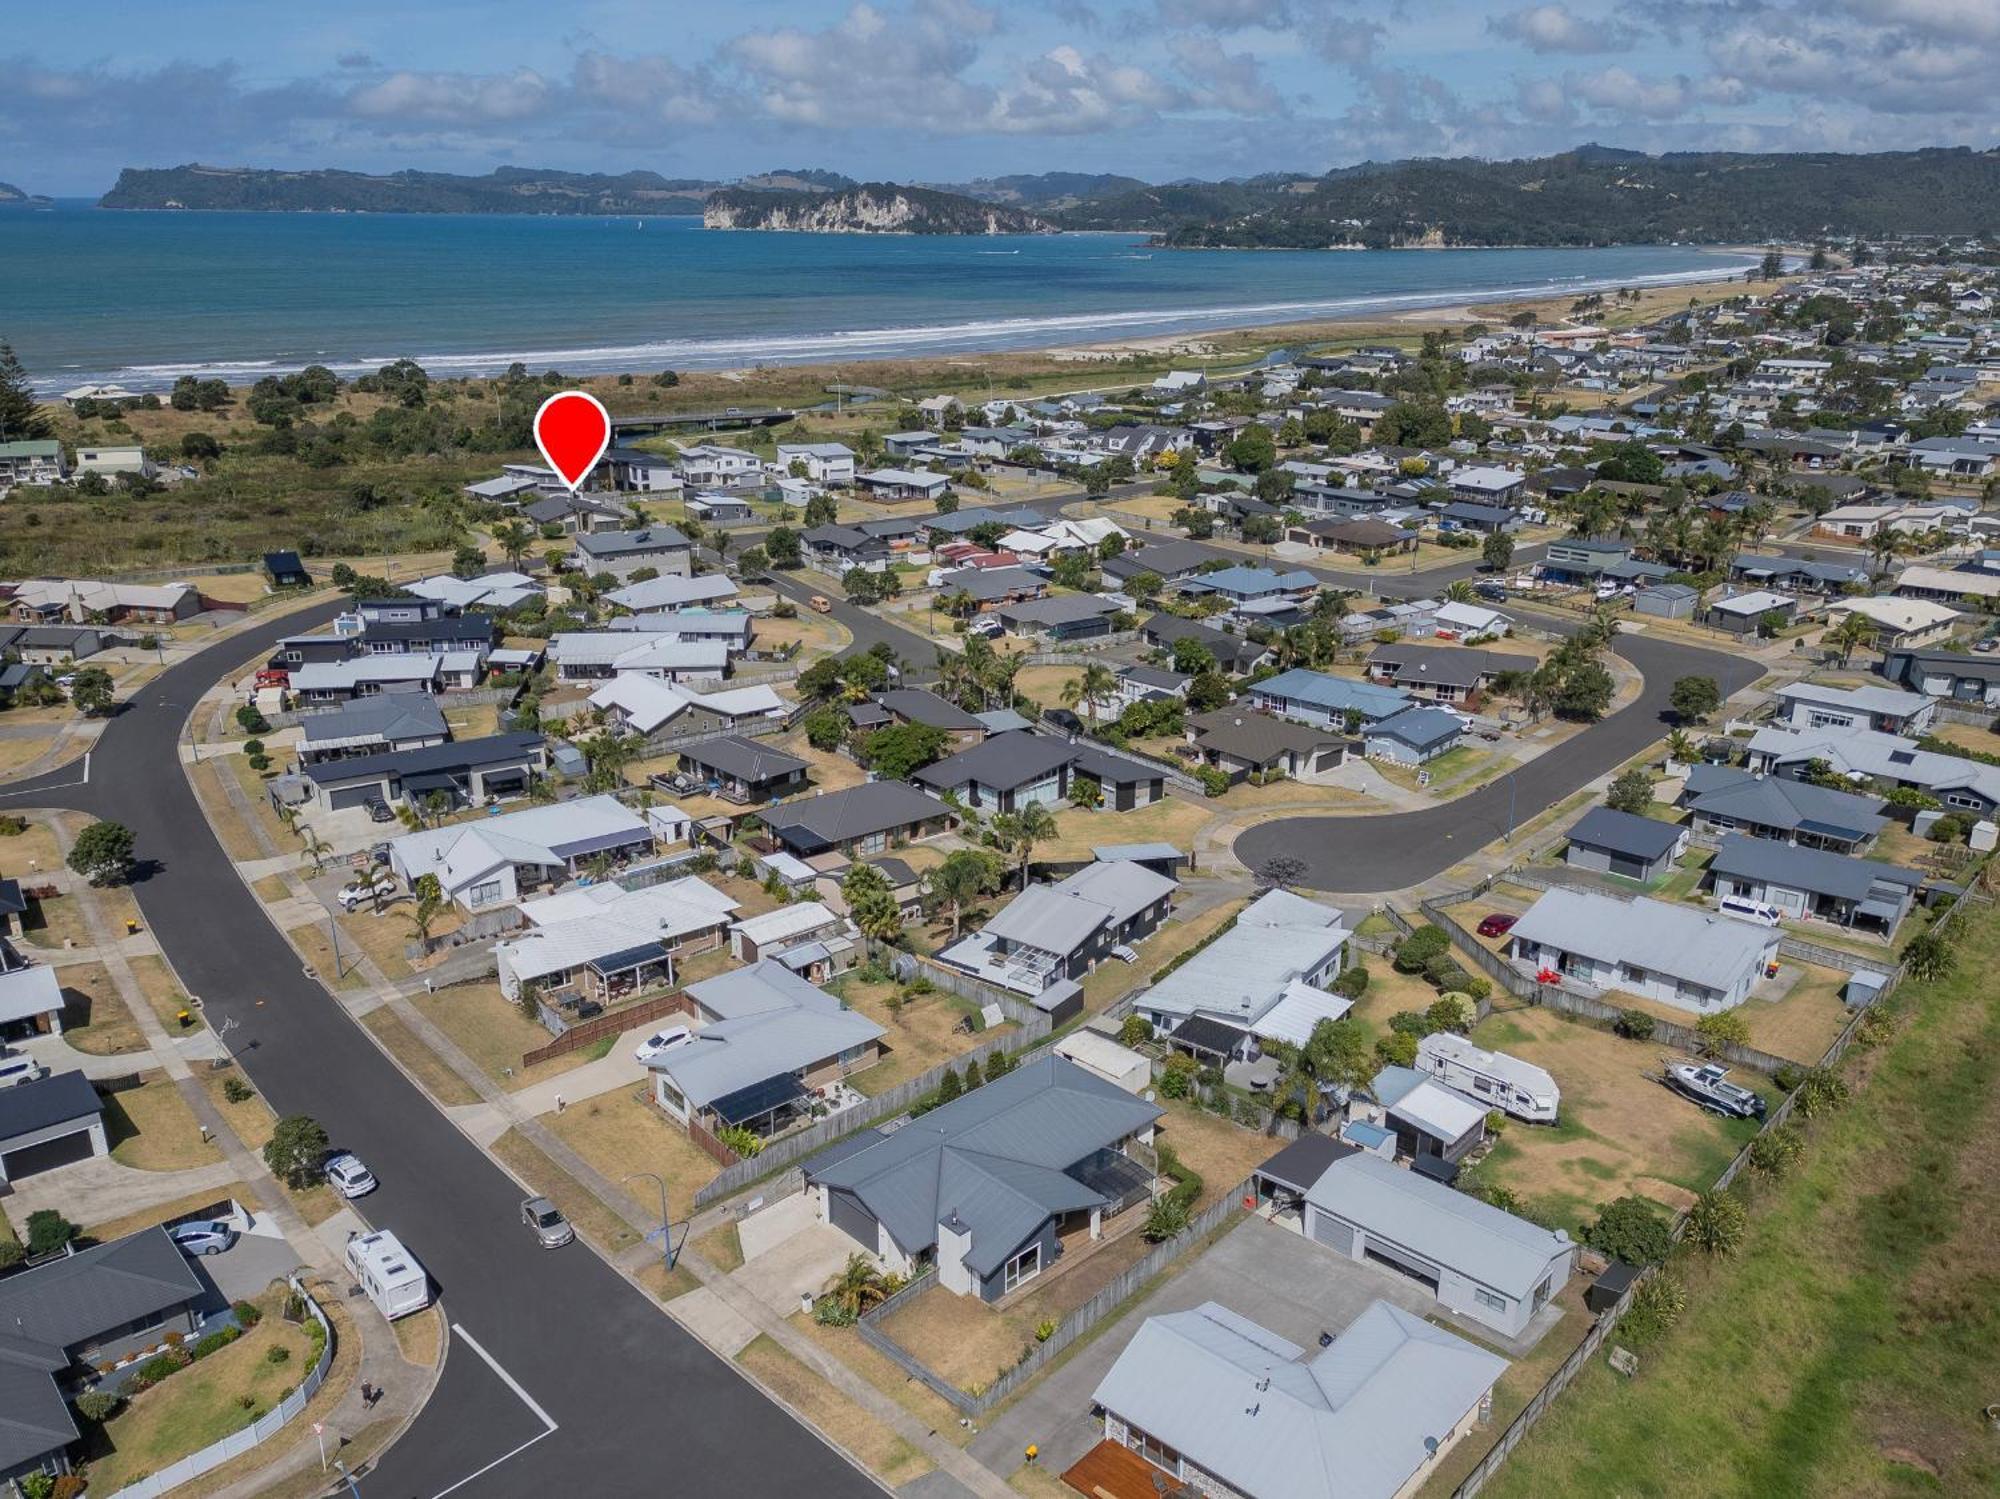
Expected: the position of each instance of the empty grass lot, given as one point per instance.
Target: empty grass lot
(922, 1032)
(151, 1127)
(1847, 1348)
(1169, 820)
(1621, 1130)
(838, 1419)
(95, 1018)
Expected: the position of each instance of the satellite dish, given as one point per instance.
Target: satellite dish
(1430, 1446)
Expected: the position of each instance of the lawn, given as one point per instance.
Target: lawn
(722, 1247)
(491, 1029)
(202, 1403)
(1621, 1131)
(164, 1212)
(272, 889)
(1798, 1025)
(252, 1122)
(937, 1414)
(544, 1177)
(921, 1032)
(1169, 820)
(151, 1127)
(833, 1416)
(1968, 736)
(16, 753)
(1224, 1153)
(230, 830)
(1044, 684)
(1873, 1272)
(622, 1132)
(156, 982)
(383, 935)
(426, 1066)
(94, 1017)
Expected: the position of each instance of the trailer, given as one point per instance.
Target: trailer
(393, 1277)
(1514, 1087)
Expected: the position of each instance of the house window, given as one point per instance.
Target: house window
(1489, 1300)
(485, 893)
(1022, 1268)
(1153, 1450)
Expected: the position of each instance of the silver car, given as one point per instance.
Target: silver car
(551, 1229)
(347, 1176)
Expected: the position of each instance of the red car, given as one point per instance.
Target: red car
(1498, 924)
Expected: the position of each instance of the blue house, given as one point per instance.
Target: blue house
(1415, 736)
(1316, 698)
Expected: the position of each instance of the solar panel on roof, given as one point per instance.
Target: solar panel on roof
(758, 1099)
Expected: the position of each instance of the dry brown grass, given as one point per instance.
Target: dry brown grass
(921, 1033)
(1222, 1151)
(95, 1018)
(1106, 983)
(937, 1414)
(272, 889)
(432, 1075)
(230, 831)
(622, 1132)
(492, 1031)
(15, 753)
(151, 1127)
(162, 1212)
(421, 1337)
(722, 1247)
(1968, 736)
(162, 991)
(1169, 820)
(833, 1416)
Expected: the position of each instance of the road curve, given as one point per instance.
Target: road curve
(639, 1406)
(1352, 855)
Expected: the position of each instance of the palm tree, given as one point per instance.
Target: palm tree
(1032, 824)
(317, 848)
(1681, 748)
(513, 538)
(381, 881)
(1460, 592)
(1096, 685)
(858, 1287)
(424, 914)
(1853, 630)
(1883, 547)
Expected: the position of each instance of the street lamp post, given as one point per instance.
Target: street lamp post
(666, 1225)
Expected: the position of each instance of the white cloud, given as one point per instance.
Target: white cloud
(1555, 27)
(455, 98)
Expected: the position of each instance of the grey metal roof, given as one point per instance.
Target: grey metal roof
(1699, 947)
(1420, 728)
(56, 1099)
(743, 758)
(392, 716)
(73, 1300)
(1779, 802)
(1625, 833)
(1065, 609)
(920, 706)
(1349, 1421)
(777, 1024)
(623, 543)
(858, 812)
(996, 1156)
(431, 759)
(1003, 761)
(1446, 1227)
(1816, 870)
(1060, 918)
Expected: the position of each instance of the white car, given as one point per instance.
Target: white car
(347, 1176)
(19, 1067)
(356, 894)
(662, 1042)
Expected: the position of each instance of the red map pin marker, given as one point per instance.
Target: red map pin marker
(572, 429)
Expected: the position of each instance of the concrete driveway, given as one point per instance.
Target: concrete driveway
(243, 1271)
(786, 1253)
(1269, 1274)
(100, 1189)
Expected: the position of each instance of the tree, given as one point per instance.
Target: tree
(962, 878)
(1633, 1229)
(1497, 550)
(1023, 829)
(48, 1231)
(1252, 450)
(1853, 631)
(1585, 693)
(21, 415)
(1771, 267)
(825, 728)
(1166, 1219)
(782, 547)
(92, 692)
(858, 1287)
(950, 1086)
(901, 750)
(1681, 749)
(1630, 792)
(1097, 684)
(1929, 957)
(424, 914)
(513, 537)
(1146, 587)
(1695, 699)
(1715, 1033)
(1336, 1054)
(1135, 1030)
(296, 1151)
(874, 910)
(103, 853)
(1279, 872)
(1192, 658)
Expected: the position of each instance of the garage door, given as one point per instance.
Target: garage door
(1333, 1233)
(48, 1155)
(851, 1218)
(1421, 1273)
(1632, 869)
(355, 796)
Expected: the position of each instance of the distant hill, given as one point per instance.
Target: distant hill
(11, 194)
(799, 180)
(871, 208)
(1594, 195)
(507, 190)
(1043, 191)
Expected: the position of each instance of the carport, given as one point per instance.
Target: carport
(56, 1121)
(1283, 1181)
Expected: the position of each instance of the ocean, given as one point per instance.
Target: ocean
(90, 295)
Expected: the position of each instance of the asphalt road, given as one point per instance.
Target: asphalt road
(1350, 855)
(633, 1404)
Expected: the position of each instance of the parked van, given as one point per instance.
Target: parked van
(1745, 909)
(18, 1067)
(1490, 1077)
(389, 1273)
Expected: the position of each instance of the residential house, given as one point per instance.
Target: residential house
(1487, 486)
(377, 725)
(808, 937)
(54, 645)
(918, 705)
(1813, 705)
(1441, 673)
(623, 553)
(896, 484)
(1169, 561)
(864, 819)
(1625, 844)
(1314, 697)
(992, 1188)
(1262, 980)
(674, 591)
(990, 587)
(1005, 773)
(827, 463)
(1358, 536)
(85, 601)
(650, 652)
(1426, 1117)
(365, 676)
(1692, 960)
(637, 471)
(493, 862)
(602, 942)
(1075, 616)
(1482, 1263)
(31, 998)
(1949, 586)
(745, 771)
(34, 460)
(1948, 675)
(1237, 655)
(1886, 761)
(1103, 1057)
(1745, 613)
(719, 510)
(1796, 575)
(1471, 623)
(767, 1045)
(1582, 559)
(711, 465)
(651, 707)
(576, 514)
(1256, 591)
(1416, 736)
(1208, 1402)
(1140, 684)
(1900, 624)
(466, 773)
(1667, 601)
(285, 570)
(66, 1317)
(1486, 520)
(1049, 933)
(1242, 742)
(1722, 799)
(113, 461)
(1814, 884)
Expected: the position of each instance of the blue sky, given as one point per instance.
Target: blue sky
(945, 90)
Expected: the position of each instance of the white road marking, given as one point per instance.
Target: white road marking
(548, 1421)
(83, 780)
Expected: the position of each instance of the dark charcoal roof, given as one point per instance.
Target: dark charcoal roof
(72, 1300)
(743, 758)
(1625, 833)
(429, 759)
(467, 627)
(919, 706)
(1003, 761)
(1305, 1160)
(858, 812)
(52, 1100)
